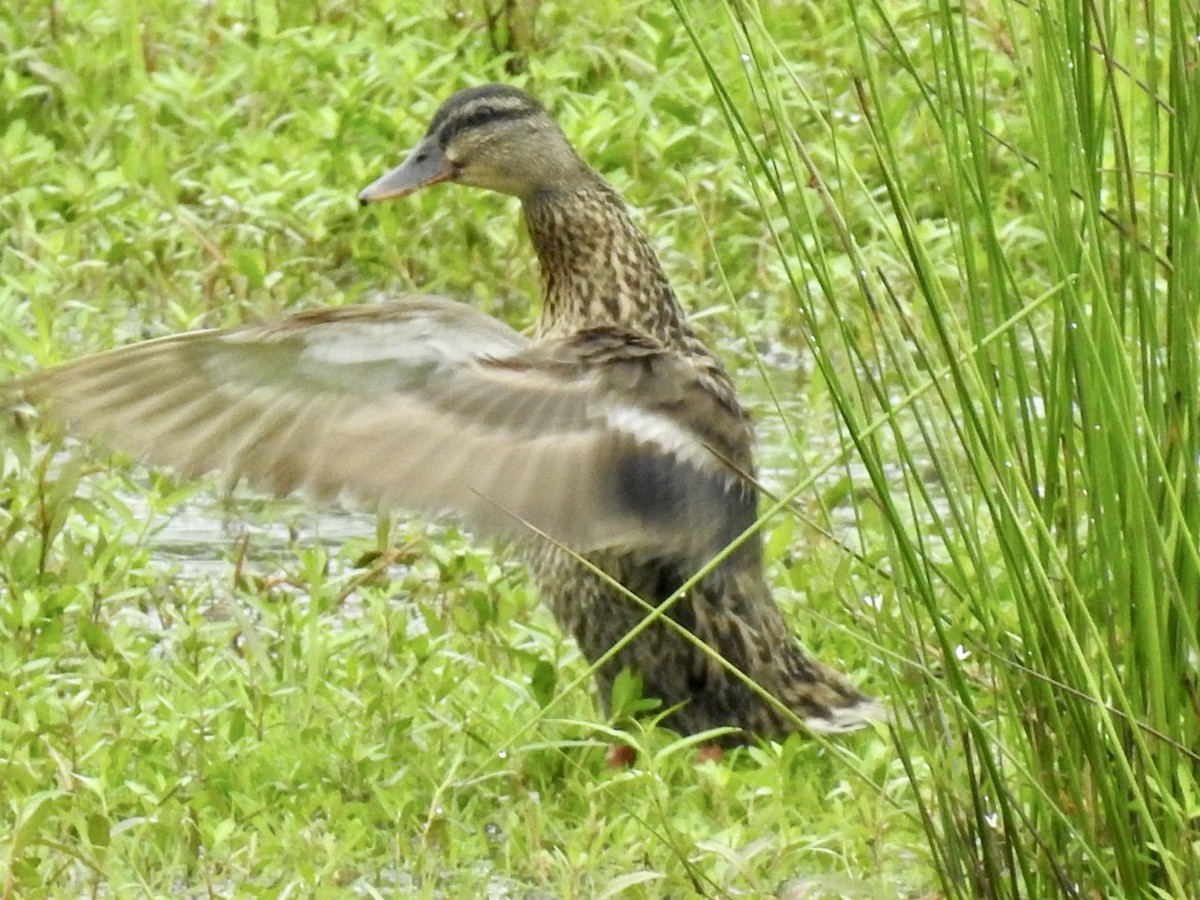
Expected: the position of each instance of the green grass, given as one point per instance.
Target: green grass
(949, 252)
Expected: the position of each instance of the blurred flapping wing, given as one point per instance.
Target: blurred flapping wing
(599, 440)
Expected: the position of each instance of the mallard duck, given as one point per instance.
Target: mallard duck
(613, 433)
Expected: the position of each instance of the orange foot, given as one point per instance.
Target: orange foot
(709, 753)
(619, 756)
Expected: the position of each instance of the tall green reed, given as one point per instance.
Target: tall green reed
(991, 237)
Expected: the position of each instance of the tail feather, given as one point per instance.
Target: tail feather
(860, 713)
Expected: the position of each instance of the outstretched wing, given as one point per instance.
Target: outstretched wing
(599, 440)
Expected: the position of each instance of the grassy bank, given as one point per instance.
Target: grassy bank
(949, 253)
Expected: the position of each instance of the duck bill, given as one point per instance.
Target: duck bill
(426, 165)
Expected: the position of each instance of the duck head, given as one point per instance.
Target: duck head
(495, 137)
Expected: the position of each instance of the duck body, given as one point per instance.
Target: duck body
(614, 433)
(599, 271)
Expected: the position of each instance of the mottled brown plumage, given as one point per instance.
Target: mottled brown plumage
(600, 272)
(614, 431)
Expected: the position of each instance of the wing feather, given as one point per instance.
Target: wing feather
(598, 440)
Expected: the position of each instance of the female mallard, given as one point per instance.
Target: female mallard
(613, 432)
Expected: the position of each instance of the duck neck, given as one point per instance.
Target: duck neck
(598, 269)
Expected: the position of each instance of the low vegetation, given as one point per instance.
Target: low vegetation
(950, 252)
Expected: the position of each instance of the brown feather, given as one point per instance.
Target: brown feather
(299, 406)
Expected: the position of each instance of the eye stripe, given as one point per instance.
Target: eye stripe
(485, 94)
(476, 107)
(479, 116)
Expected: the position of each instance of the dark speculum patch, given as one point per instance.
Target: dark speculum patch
(657, 487)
